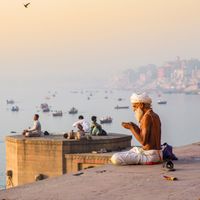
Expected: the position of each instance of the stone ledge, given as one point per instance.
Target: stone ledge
(27, 157)
(59, 139)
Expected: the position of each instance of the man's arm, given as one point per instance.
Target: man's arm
(142, 134)
(134, 129)
(76, 123)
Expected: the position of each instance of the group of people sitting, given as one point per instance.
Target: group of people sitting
(82, 126)
(148, 133)
(94, 129)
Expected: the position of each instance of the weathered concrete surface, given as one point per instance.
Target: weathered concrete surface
(29, 157)
(77, 162)
(121, 182)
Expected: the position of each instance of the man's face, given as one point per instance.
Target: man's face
(135, 106)
(35, 118)
(138, 109)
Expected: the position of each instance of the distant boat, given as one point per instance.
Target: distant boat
(73, 111)
(106, 120)
(13, 132)
(105, 97)
(15, 109)
(57, 114)
(10, 101)
(45, 107)
(121, 107)
(161, 101)
(119, 99)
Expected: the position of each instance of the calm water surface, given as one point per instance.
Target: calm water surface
(179, 117)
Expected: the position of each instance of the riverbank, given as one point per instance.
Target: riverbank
(120, 182)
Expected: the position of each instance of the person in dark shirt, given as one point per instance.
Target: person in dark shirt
(96, 129)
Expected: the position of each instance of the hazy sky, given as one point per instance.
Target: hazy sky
(79, 39)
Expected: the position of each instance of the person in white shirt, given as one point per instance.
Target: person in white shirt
(82, 125)
(35, 131)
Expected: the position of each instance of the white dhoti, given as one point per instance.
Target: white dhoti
(34, 133)
(136, 156)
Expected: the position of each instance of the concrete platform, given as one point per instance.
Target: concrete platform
(120, 182)
(111, 142)
(27, 158)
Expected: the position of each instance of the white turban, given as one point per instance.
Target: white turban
(140, 98)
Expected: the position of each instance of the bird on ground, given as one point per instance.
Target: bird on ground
(26, 5)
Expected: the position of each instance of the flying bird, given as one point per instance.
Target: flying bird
(26, 5)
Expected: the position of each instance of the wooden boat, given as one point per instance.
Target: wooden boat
(73, 111)
(15, 109)
(161, 101)
(10, 101)
(121, 107)
(57, 114)
(44, 107)
(106, 120)
(119, 99)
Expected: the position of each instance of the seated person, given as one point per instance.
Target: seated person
(82, 125)
(76, 136)
(72, 135)
(148, 134)
(35, 131)
(96, 128)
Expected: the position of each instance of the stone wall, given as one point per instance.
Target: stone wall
(77, 162)
(52, 155)
(28, 158)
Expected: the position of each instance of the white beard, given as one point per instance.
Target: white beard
(139, 114)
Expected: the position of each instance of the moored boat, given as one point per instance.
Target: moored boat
(73, 111)
(160, 101)
(45, 107)
(57, 113)
(106, 120)
(10, 101)
(121, 107)
(15, 109)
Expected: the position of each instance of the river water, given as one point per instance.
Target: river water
(179, 117)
